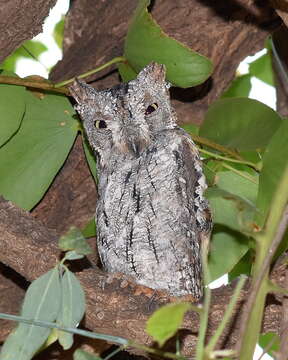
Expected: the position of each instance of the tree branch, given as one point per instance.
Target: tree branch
(115, 306)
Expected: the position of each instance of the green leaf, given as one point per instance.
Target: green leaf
(146, 42)
(164, 322)
(191, 128)
(72, 309)
(29, 49)
(80, 354)
(12, 108)
(74, 240)
(262, 69)
(59, 31)
(73, 255)
(274, 164)
(240, 123)
(240, 87)
(243, 266)
(90, 229)
(34, 155)
(126, 72)
(272, 340)
(90, 157)
(227, 247)
(237, 185)
(231, 209)
(41, 302)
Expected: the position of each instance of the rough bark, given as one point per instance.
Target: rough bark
(115, 305)
(281, 7)
(21, 20)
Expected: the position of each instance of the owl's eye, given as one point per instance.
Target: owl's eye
(151, 108)
(100, 124)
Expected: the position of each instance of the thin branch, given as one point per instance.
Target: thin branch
(59, 87)
(215, 146)
(220, 157)
(262, 273)
(240, 173)
(204, 315)
(227, 316)
(42, 85)
(115, 60)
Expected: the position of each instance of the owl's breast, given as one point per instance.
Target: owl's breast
(146, 216)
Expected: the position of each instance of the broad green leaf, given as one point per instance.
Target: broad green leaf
(240, 87)
(146, 42)
(73, 255)
(59, 31)
(32, 158)
(274, 163)
(272, 340)
(231, 210)
(41, 302)
(227, 247)
(29, 49)
(237, 185)
(164, 322)
(126, 72)
(191, 128)
(243, 266)
(12, 108)
(90, 157)
(74, 240)
(90, 229)
(72, 309)
(240, 123)
(262, 69)
(80, 354)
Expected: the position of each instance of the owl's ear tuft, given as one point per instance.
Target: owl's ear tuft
(81, 91)
(153, 73)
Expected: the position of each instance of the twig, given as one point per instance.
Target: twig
(240, 173)
(243, 162)
(262, 273)
(215, 146)
(42, 85)
(204, 315)
(228, 313)
(93, 71)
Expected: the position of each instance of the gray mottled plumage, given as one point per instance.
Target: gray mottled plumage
(151, 214)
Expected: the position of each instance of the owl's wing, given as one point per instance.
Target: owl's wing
(192, 170)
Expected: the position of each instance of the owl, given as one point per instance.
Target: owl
(151, 213)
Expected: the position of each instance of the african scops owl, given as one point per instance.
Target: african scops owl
(151, 214)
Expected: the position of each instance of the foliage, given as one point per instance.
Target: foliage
(55, 296)
(243, 144)
(30, 48)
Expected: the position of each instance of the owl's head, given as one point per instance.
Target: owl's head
(129, 115)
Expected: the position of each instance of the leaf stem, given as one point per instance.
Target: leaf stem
(93, 71)
(228, 313)
(200, 349)
(216, 156)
